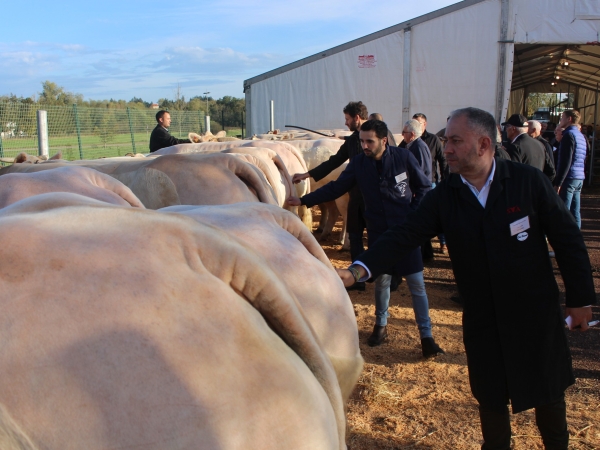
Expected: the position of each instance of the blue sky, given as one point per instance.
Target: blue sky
(129, 48)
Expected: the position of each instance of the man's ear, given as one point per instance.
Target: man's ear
(384, 140)
(485, 144)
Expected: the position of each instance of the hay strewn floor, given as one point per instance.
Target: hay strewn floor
(403, 401)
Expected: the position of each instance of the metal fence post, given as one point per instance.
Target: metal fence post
(78, 128)
(1, 148)
(131, 131)
(42, 123)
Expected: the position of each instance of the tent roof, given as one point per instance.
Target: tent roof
(370, 37)
(542, 63)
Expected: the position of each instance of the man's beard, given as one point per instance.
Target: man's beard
(375, 152)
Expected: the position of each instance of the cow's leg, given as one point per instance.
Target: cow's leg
(342, 206)
(329, 222)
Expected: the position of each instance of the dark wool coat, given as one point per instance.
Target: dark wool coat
(530, 151)
(160, 138)
(388, 196)
(514, 330)
(356, 206)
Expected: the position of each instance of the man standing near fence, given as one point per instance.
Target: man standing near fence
(160, 137)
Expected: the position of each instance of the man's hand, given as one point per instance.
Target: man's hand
(293, 201)
(346, 276)
(579, 317)
(298, 177)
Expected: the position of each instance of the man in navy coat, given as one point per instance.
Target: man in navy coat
(495, 215)
(392, 185)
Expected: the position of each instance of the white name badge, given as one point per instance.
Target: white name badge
(401, 177)
(519, 226)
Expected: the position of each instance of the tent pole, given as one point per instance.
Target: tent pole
(500, 85)
(591, 174)
(406, 77)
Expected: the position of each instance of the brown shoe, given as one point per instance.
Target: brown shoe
(378, 336)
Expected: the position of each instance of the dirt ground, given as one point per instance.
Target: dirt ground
(403, 401)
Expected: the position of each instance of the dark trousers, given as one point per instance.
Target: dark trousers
(551, 420)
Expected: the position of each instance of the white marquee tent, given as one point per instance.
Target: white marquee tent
(484, 53)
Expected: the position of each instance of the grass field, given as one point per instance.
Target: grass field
(92, 146)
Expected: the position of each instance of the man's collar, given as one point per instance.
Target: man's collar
(490, 177)
(409, 144)
(500, 172)
(521, 134)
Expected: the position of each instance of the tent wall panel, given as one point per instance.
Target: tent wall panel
(454, 62)
(553, 22)
(314, 95)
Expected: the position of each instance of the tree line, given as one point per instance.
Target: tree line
(228, 111)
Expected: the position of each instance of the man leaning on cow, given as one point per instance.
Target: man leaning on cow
(495, 214)
(355, 114)
(160, 136)
(392, 184)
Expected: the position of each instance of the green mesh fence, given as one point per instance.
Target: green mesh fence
(87, 133)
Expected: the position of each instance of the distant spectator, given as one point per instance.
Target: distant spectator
(523, 148)
(391, 140)
(535, 130)
(411, 133)
(500, 152)
(571, 163)
(160, 137)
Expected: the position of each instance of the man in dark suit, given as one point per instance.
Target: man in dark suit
(160, 137)
(355, 114)
(524, 149)
(496, 214)
(392, 184)
(535, 131)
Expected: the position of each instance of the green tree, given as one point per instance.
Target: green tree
(53, 94)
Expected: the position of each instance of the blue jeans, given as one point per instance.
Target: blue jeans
(420, 302)
(570, 193)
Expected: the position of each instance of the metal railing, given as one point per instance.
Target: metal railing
(87, 133)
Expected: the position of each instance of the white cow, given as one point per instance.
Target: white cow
(281, 239)
(129, 328)
(77, 180)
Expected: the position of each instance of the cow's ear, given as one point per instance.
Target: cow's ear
(21, 158)
(57, 156)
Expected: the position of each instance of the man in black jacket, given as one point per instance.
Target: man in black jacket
(355, 114)
(524, 149)
(160, 137)
(439, 168)
(495, 215)
(392, 184)
(535, 131)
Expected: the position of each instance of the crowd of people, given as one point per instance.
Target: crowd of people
(489, 194)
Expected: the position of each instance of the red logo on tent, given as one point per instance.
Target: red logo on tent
(367, 61)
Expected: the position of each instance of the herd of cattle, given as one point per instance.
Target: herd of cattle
(171, 301)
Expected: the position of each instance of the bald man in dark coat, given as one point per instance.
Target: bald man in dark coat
(495, 214)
